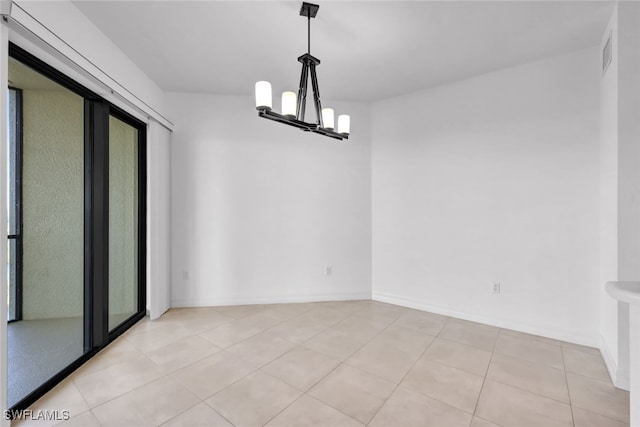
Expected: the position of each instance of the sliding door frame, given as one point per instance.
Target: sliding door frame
(17, 208)
(142, 218)
(96, 220)
(96, 223)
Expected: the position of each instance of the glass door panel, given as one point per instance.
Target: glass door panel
(76, 221)
(46, 230)
(123, 221)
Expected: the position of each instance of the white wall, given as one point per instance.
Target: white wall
(493, 179)
(620, 192)
(259, 210)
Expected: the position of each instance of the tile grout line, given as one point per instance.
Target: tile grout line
(343, 363)
(84, 399)
(202, 401)
(181, 412)
(542, 395)
(566, 381)
(242, 340)
(520, 388)
(265, 330)
(216, 411)
(99, 356)
(169, 374)
(414, 363)
(607, 381)
(572, 406)
(323, 330)
(484, 378)
(259, 368)
(305, 393)
(409, 370)
(128, 391)
(529, 391)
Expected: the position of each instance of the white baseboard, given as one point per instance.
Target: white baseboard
(212, 301)
(619, 377)
(572, 337)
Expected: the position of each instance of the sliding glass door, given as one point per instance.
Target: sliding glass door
(76, 225)
(45, 228)
(123, 220)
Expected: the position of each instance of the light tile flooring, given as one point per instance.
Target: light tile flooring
(335, 364)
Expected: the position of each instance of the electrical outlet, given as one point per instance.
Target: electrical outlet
(495, 287)
(328, 271)
(185, 275)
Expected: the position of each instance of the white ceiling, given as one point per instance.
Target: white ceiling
(369, 50)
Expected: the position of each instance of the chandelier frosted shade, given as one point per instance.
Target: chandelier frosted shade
(289, 104)
(344, 124)
(294, 105)
(263, 94)
(327, 118)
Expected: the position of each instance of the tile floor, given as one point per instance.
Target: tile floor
(335, 364)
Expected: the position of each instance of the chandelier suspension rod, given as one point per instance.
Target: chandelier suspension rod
(309, 31)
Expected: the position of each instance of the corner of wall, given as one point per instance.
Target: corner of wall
(619, 377)
(608, 328)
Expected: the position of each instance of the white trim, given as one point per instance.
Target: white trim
(4, 45)
(575, 337)
(609, 361)
(30, 34)
(158, 221)
(212, 301)
(619, 377)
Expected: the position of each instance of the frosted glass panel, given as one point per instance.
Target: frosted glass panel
(123, 221)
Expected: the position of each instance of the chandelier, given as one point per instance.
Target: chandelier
(293, 106)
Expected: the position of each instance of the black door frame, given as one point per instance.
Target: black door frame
(17, 207)
(96, 219)
(142, 217)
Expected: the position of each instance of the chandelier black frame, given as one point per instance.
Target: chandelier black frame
(309, 63)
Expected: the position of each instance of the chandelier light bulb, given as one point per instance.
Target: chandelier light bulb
(327, 118)
(344, 124)
(289, 101)
(263, 94)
